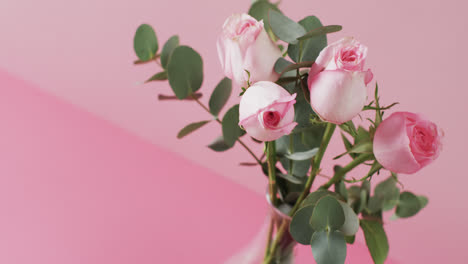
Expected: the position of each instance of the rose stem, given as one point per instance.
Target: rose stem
(315, 170)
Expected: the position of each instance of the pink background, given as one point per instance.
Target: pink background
(61, 172)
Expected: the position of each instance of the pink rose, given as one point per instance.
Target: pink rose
(266, 111)
(245, 45)
(337, 81)
(406, 142)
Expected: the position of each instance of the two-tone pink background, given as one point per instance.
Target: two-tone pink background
(91, 171)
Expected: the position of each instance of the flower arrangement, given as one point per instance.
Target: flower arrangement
(296, 90)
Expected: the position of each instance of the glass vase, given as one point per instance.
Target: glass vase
(256, 250)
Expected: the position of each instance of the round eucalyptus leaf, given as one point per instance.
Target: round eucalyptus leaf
(351, 224)
(408, 205)
(314, 197)
(230, 125)
(167, 50)
(145, 42)
(284, 28)
(311, 47)
(220, 96)
(328, 247)
(259, 10)
(300, 228)
(328, 214)
(219, 145)
(185, 71)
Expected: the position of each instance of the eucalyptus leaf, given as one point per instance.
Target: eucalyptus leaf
(300, 228)
(284, 28)
(423, 201)
(167, 50)
(305, 155)
(311, 47)
(190, 128)
(408, 205)
(314, 197)
(259, 10)
(385, 197)
(340, 188)
(219, 145)
(281, 64)
(376, 240)
(328, 214)
(185, 71)
(145, 43)
(321, 31)
(220, 96)
(290, 178)
(299, 168)
(160, 76)
(230, 125)
(351, 223)
(328, 247)
(360, 147)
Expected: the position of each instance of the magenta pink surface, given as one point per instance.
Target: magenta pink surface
(81, 51)
(79, 190)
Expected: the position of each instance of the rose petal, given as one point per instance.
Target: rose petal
(392, 145)
(338, 96)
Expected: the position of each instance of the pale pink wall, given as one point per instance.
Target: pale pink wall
(82, 51)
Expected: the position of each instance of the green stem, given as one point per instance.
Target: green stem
(342, 172)
(238, 140)
(315, 165)
(369, 174)
(269, 236)
(315, 170)
(271, 159)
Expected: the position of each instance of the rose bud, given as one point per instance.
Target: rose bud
(266, 111)
(245, 45)
(406, 142)
(337, 81)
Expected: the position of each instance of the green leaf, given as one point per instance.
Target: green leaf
(190, 128)
(312, 47)
(305, 155)
(220, 96)
(284, 28)
(230, 124)
(328, 247)
(291, 66)
(321, 31)
(328, 214)
(299, 168)
(314, 197)
(219, 145)
(340, 188)
(351, 223)
(290, 178)
(145, 43)
(423, 201)
(300, 228)
(281, 64)
(185, 71)
(160, 76)
(168, 48)
(350, 239)
(385, 197)
(408, 205)
(259, 10)
(376, 240)
(361, 147)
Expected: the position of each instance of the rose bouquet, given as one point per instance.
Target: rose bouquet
(295, 90)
